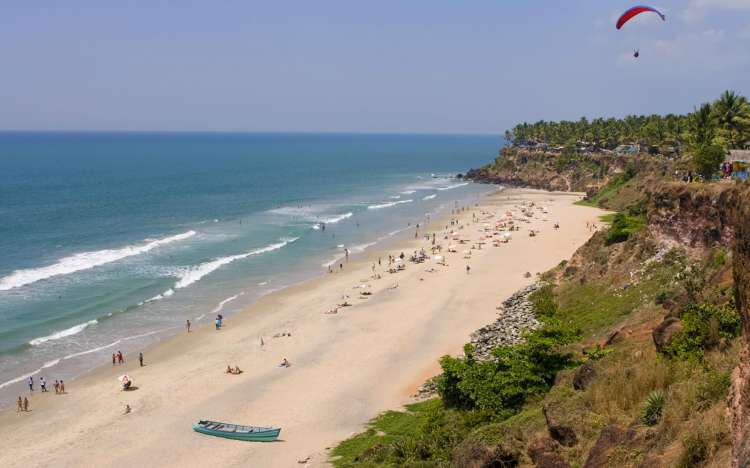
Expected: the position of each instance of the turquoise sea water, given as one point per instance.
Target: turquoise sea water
(110, 241)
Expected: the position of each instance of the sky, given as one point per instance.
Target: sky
(387, 66)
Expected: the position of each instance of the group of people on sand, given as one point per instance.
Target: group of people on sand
(118, 358)
(233, 370)
(59, 385)
(23, 402)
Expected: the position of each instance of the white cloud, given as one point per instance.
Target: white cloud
(698, 9)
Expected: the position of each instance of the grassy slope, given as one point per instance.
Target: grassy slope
(600, 296)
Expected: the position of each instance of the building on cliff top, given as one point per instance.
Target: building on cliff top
(742, 156)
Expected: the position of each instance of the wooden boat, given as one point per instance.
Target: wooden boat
(234, 431)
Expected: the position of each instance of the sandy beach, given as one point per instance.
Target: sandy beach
(346, 367)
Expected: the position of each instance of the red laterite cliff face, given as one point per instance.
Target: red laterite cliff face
(740, 396)
(693, 217)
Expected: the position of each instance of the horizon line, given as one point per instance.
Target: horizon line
(244, 132)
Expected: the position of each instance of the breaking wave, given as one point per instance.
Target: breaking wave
(388, 205)
(84, 261)
(451, 187)
(63, 333)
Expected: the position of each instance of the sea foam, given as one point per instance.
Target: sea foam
(388, 205)
(451, 187)
(195, 273)
(226, 301)
(63, 333)
(84, 261)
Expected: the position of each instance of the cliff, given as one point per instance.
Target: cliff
(693, 217)
(598, 175)
(740, 396)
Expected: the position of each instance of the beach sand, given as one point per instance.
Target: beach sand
(346, 367)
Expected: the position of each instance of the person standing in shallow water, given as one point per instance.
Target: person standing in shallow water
(187, 324)
(140, 358)
(25, 404)
(20, 405)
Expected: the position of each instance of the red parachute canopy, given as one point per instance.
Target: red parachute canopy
(635, 11)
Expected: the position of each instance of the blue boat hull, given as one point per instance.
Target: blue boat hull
(265, 435)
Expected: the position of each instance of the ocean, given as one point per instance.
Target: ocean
(110, 241)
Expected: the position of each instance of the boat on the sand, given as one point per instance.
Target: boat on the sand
(234, 431)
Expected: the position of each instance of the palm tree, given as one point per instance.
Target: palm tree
(732, 114)
(702, 126)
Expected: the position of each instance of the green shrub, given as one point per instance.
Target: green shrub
(500, 386)
(706, 159)
(638, 208)
(713, 388)
(703, 326)
(653, 408)
(719, 258)
(543, 301)
(622, 227)
(597, 352)
(695, 450)
(661, 297)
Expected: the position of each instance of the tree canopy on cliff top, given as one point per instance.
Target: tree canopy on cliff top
(725, 122)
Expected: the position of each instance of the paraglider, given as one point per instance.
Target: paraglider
(635, 11)
(632, 13)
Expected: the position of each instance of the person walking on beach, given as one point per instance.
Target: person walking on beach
(57, 387)
(25, 404)
(62, 387)
(468, 269)
(120, 358)
(187, 324)
(114, 359)
(20, 405)
(43, 384)
(31, 384)
(140, 358)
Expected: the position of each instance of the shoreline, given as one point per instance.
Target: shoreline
(79, 370)
(183, 379)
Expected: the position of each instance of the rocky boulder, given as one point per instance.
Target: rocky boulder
(584, 375)
(665, 332)
(516, 318)
(610, 437)
(544, 453)
(564, 435)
